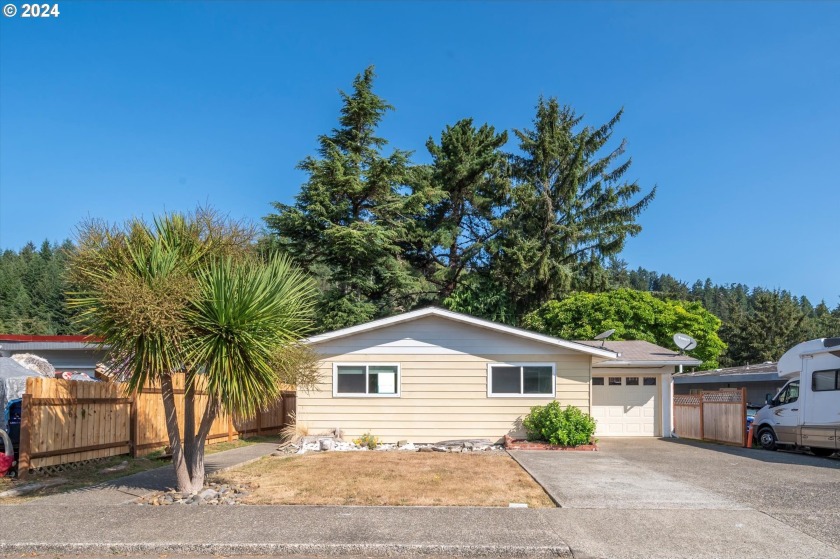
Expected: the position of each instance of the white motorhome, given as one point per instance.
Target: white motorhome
(806, 410)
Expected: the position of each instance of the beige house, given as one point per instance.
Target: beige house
(433, 374)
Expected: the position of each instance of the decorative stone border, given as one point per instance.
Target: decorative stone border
(520, 444)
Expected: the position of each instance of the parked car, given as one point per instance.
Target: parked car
(804, 412)
(12, 415)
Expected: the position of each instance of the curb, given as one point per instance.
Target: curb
(280, 549)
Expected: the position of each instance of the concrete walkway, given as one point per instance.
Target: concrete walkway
(129, 488)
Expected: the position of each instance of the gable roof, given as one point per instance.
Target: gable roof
(641, 353)
(462, 318)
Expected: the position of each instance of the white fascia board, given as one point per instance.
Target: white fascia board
(458, 317)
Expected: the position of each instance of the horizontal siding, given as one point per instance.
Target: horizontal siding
(442, 396)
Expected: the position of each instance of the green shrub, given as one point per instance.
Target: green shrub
(555, 425)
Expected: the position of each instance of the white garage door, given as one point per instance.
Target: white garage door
(625, 406)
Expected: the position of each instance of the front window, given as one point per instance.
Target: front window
(521, 380)
(367, 380)
(790, 394)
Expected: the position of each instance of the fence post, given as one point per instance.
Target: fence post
(230, 428)
(702, 418)
(744, 413)
(25, 436)
(132, 426)
(259, 422)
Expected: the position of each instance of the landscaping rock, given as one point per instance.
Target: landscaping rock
(326, 444)
(208, 494)
(213, 494)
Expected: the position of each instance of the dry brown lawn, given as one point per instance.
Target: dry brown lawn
(389, 478)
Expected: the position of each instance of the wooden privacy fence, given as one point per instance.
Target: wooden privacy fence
(69, 421)
(719, 416)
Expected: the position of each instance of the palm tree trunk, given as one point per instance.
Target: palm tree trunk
(195, 464)
(189, 414)
(182, 475)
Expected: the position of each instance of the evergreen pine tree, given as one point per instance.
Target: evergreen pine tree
(464, 189)
(349, 218)
(570, 205)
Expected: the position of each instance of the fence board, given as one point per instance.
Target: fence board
(70, 421)
(718, 416)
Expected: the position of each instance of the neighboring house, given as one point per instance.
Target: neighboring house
(434, 374)
(759, 380)
(65, 353)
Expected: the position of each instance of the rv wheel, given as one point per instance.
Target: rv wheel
(767, 439)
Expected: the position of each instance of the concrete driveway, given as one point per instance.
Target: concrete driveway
(675, 498)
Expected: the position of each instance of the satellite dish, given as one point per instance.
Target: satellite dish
(684, 342)
(604, 335)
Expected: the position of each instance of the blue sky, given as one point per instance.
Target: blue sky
(124, 108)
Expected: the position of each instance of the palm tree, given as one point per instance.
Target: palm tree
(187, 294)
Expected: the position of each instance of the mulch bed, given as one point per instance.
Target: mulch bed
(521, 444)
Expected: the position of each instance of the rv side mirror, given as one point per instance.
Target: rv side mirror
(768, 399)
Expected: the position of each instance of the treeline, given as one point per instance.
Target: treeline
(32, 290)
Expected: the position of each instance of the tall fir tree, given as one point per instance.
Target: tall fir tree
(571, 205)
(774, 324)
(349, 218)
(465, 188)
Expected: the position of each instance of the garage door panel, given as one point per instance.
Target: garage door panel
(629, 411)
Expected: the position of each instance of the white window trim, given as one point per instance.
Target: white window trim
(551, 396)
(367, 366)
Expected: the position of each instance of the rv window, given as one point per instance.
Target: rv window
(826, 380)
(790, 394)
